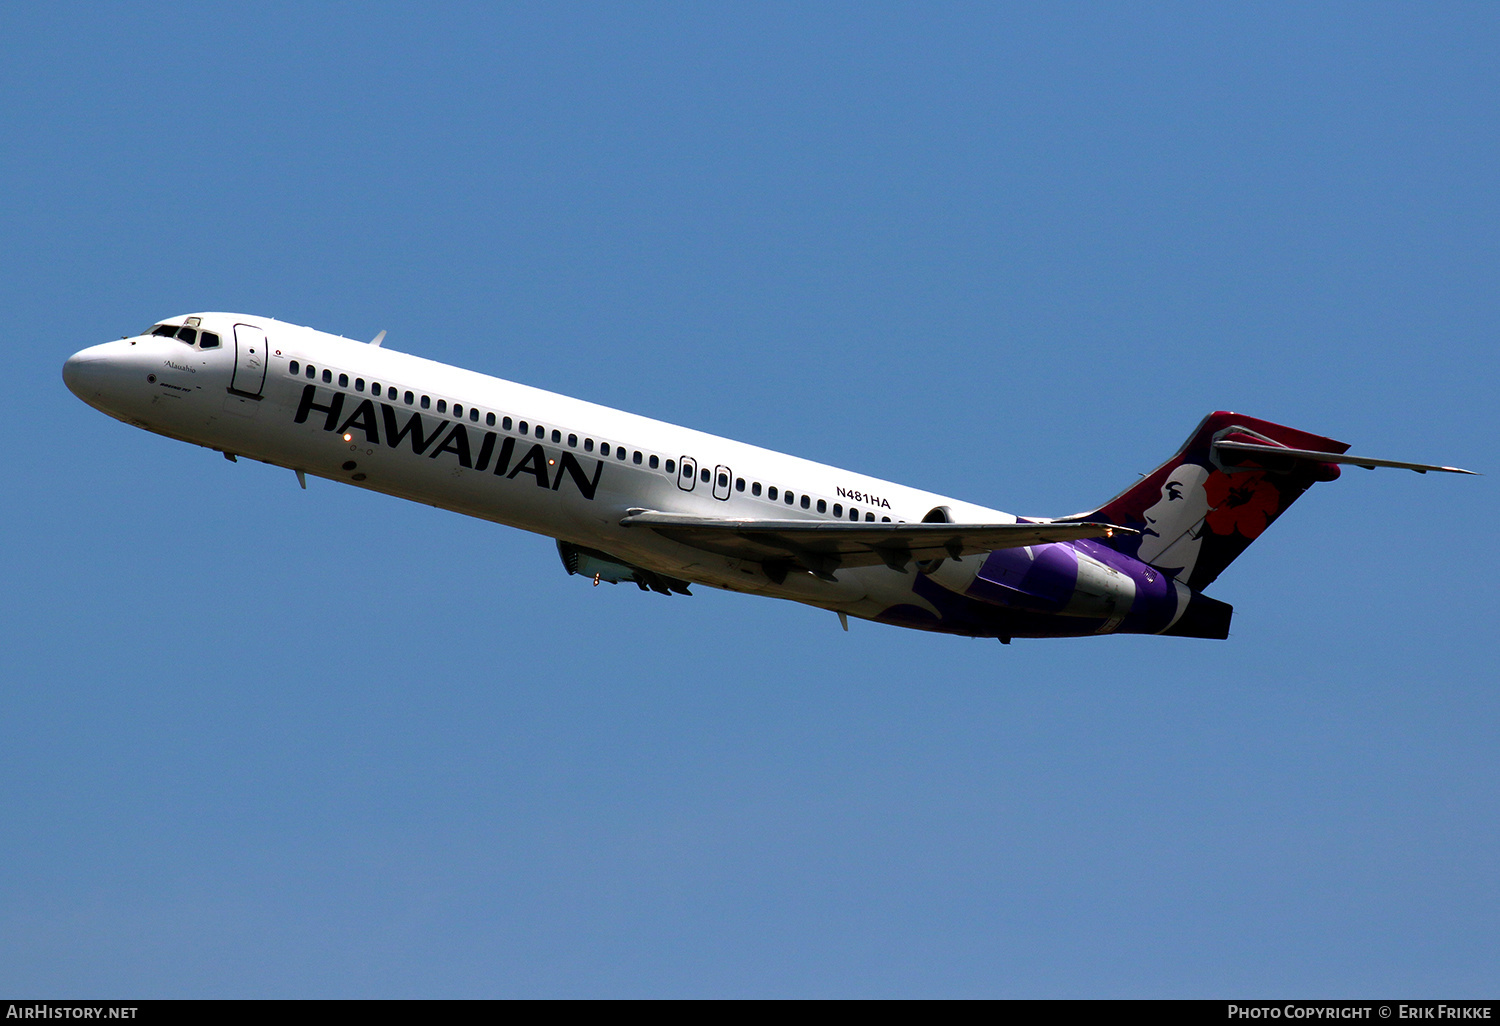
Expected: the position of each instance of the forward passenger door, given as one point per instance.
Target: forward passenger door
(249, 361)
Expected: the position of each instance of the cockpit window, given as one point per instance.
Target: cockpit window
(188, 333)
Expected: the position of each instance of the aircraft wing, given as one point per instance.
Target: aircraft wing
(824, 546)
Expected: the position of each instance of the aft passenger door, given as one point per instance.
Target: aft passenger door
(249, 361)
(687, 474)
(722, 477)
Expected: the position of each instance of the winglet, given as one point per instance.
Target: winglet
(378, 338)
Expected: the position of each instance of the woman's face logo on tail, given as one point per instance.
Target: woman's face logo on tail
(1171, 537)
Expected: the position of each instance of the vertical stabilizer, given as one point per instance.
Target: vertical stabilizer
(1203, 507)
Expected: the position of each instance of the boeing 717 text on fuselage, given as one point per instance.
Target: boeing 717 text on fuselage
(633, 499)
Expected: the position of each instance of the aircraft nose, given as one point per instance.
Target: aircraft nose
(82, 371)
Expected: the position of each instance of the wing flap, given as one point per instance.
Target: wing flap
(824, 546)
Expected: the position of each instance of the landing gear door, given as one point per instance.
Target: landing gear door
(687, 474)
(722, 477)
(249, 361)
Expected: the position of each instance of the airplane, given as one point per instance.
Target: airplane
(628, 498)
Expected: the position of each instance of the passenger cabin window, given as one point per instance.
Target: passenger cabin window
(588, 445)
(806, 502)
(426, 403)
(655, 462)
(755, 488)
(705, 475)
(556, 435)
(489, 420)
(671, 466)
(603, 448)
(359, 384)
(771, 493)
(343, 381)
(327, 377)
(409, 398)
(789, 497)
(474, 415)
(572, 441)
(294, 367)
(822, 506)
(442, 406)
(312, 372)
(636, 458)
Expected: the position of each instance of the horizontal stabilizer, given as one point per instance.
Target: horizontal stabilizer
(823, 546)
(1279, 452)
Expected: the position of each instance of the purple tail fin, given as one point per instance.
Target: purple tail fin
(1200, 509)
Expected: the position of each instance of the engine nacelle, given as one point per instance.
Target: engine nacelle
(1092, 582)
(1054, 578)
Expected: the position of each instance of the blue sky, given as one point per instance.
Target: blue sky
(257, 741)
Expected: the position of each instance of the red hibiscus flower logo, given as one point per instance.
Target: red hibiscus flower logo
(1243, 503)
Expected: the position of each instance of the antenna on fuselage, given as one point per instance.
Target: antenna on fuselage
(378, 338)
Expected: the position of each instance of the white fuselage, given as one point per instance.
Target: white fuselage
(567, 469)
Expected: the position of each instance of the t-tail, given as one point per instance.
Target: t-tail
(1229, 482)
